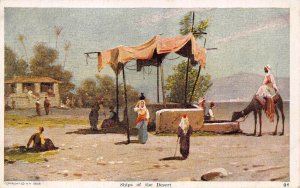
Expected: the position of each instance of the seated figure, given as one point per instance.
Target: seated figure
(112, 120)
(39, 142)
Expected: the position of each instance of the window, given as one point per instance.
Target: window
(27, 87)
(13, 88)
(47, 87)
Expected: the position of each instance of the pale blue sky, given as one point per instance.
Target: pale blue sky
(247, 39)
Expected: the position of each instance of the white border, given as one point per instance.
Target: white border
(294, 6)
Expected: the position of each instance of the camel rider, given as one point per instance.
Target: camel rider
(269, 88)
(266, 92)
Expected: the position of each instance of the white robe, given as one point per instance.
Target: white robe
(267, 89)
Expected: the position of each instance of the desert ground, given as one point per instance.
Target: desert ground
(104, 157)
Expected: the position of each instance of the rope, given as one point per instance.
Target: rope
(244, 119)
(89, 57)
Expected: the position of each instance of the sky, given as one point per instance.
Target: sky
(247, 39)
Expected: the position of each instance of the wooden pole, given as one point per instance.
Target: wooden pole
(162, 84)
(126, 109)
(117, 92)
(157, 75)
(198, 74)
(187, 66)
(195, 84)
(186, 79)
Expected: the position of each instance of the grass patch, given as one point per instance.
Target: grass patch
(17, 154)
(18, 121)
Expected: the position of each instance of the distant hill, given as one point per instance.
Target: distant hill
(242, 87)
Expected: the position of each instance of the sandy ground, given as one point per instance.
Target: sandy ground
(99, 157)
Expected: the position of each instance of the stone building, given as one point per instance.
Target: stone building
(23, 92)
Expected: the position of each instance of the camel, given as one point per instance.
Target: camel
(257, 108)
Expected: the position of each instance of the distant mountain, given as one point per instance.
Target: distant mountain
(242, 87)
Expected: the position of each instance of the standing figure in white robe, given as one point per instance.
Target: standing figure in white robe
(142, 121)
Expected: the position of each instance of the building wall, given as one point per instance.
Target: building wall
(24, 100)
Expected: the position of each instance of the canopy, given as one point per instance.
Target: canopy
(154, 50)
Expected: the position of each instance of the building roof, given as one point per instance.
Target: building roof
(36, 79)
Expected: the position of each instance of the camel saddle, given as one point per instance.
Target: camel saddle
(269, 105)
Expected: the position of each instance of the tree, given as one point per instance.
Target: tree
(66, 48)
(22, 67)
(43, 64)
(186, 26)
(12, 65)
(175, 84)
(104, 86)
(107, 88)
(57, 31)
(87, 91)
(21, 39)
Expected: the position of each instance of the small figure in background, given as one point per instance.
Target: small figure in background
(210, 111)
(68, 102)
(112, 120)
(47, 105)
(73, 102)
(93, 117)
(38, 107)
(13, 104)
(184, 132)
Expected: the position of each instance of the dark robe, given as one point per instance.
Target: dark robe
(93, 116)
(184, 141)
(38, 108)
(36, 139)
(37, 143)
(47, 106)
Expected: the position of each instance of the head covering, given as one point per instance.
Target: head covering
(140, 104)
(142, 110)
(184, 123)
(268, 67)
(142, 97)
(202, 99)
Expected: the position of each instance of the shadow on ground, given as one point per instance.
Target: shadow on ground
(126, 142)
(172, 158)
(112, 130)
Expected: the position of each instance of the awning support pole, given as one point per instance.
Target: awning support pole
(198, 74)
(186, 80)
(157, 75)
(162, 84)
(117, 92)
(126, 109)
(187, 66)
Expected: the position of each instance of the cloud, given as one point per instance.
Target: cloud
(273, 24)
(154, 19)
